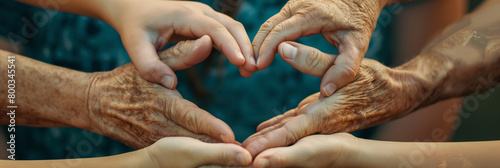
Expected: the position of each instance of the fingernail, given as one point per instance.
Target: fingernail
(241, 159)
(252, 61)
(259, 60)
(289, 51)
(196, 43)
(168, 82)
(263, 163)
(329, 89)
(240, 56)
(223, 138)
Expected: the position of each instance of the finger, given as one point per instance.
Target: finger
(291, 156)
(306, 59)
(188, 53)
(221, 155)
(288, 30)
(289, 133)
(222, 38)
(276, 120)
(240, 35)
(143, 54)
(244, 72)
(198, 121)
(266, 28)
(344, 69)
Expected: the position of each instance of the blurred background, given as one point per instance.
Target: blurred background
(89, 45)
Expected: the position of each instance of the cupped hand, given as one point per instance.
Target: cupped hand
(128, 108)
(189, 152)
(147, 26)
(335, 150)
(377, 94)
(346, 24)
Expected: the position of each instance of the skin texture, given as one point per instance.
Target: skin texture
(465, 59)
(346, 24)
(146, 27)
(166, 152)
(120, 104)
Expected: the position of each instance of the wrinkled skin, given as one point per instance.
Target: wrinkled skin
(128, 108)
(346, 24)
(364, 102)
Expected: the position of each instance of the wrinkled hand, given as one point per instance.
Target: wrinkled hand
(147, 26)
(126, 107)
(378, 94)
(189, 152)
(346, 24)
(336, 150)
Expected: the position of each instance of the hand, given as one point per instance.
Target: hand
(346, 24)
(189, 152)
(126, 107)
(378, 94)
(147, 26)
(336, 150)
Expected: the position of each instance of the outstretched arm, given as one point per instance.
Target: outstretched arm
(45, 95)
(345, 150)
(167, 152)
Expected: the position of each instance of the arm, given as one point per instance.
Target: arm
(46, 95)
(120, 103)
(373, 153)
(345, 150)
(146, 27)
(166, 152)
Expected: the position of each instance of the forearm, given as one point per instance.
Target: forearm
(99, 9)
(131, 159)
(427, 154)
(45, 95)
(462, 61)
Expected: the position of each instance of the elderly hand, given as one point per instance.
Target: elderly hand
(126, 107)
(346, 24)
(147, 26)
(378, 94)
(336, 150)
(189, 152)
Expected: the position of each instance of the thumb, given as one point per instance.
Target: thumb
(143, 54)
(306, 59)
(343, 71)
(222, 155)
(187, 53)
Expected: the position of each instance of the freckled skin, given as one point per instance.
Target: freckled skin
(136, 117)
(120, 103)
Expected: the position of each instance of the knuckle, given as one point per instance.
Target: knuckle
(190, 120)
(225, 157)
(279, 160)
(313, 59)
(268, 25)
(348, 72)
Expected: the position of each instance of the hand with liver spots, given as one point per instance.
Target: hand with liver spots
(378, 94)
(346, 24)
(465, 59)
(126, 107)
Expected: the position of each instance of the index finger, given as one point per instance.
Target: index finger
(222, 38)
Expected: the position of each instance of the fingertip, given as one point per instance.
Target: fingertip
(244, 158)
(329, 89)
(168, 82)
